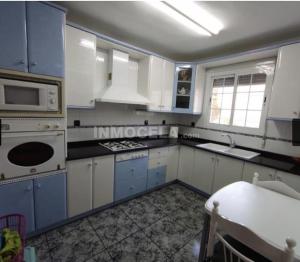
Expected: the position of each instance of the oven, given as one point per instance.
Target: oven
(28, 153)
(26, 96)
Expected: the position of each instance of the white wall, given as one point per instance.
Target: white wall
(119, 118)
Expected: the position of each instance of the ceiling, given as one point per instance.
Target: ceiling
(247, 25)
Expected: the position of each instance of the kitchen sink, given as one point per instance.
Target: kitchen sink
(240, 153)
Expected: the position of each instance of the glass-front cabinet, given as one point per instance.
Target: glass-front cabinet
(184, 85)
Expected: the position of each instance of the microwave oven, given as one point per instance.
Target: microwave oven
(26, 96)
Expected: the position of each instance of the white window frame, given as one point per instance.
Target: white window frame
(236, 71)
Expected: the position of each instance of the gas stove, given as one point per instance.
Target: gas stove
(122, 145)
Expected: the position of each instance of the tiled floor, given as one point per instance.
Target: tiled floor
(164, 225)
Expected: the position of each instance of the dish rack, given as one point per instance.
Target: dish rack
(15, 222)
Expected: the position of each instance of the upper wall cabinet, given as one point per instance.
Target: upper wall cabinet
(13, 45)
(45, 30)
(188, 89)
(36, 29)
(161, 79)
(285, 98)
(80, 68)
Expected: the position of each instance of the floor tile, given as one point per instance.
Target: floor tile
(190, 252)
(189, 216)
(137, 248)
(168, 235)
(142, 212)
(102, 257)
(112, 225)
(41, 247)
(79, 244)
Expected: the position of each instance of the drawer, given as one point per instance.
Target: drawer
(135, 169)
(157, 162)
(158, 152)
(156, 177)
(126, 188)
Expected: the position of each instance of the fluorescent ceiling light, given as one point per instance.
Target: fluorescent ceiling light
(168, 10)
(198, 15)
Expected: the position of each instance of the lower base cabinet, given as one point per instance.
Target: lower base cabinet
(156, 177)
(265, 173)
(172, 163)
(130, 177)
(227, 171)
(186, 164)
(42, 200)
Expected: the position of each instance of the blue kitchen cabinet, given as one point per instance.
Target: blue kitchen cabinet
(50, 200)
(13, 48)
(45, 34)
(156, 176)
(130, 177)
(184, 88)
(17, 198)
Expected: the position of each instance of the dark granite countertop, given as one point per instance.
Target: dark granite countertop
(87, 149)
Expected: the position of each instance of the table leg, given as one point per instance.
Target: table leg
(204, 237)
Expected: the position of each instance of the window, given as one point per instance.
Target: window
(238, 100)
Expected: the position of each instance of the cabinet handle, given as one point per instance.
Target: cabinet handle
(22, 62)
(38, 185)
(131, 187)
(279, 178)
(89, 165)
(33, 63)
(271, 176)
(212, 159)
(95, 164)
(92, 101)
(132, 169)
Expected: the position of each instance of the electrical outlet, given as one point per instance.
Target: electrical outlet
(164, 122)
(146, 122)
(192, 124)
(76, 122)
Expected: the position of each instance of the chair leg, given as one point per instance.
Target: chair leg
(204, 239)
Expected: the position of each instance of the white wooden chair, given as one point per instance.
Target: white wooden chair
(276, 186)
(220, 224)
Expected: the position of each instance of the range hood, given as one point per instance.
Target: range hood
(122, 84)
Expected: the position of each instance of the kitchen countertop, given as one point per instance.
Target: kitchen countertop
(87, 149)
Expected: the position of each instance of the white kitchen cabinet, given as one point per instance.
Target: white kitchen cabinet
(289, 179)
(285, 97)
(227, 171)
(186, 164)
(79, 186)
(161, 78)
(265, 173)
(80, 68)
(103, 180)
(101, 73)
(203, 175)
(172, 163)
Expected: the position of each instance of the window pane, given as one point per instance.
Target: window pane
(241, 100)
(218, 82)
(253, 119)
(259, 78)
(216, 101)
(214, 116)
(229, 81)
(256, 101)
(225, 117)
(239, 117)
(244, 80)
(258, 88)
(217, 90)
(228, 89)
(227, 101)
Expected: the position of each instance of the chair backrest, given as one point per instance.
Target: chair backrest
(246, 237)
(276, 186)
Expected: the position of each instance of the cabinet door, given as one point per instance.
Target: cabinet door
(265, 173)
(79, 186)
(17, 198)
(103, 181)
(156, 177)
(227, 171)
(289, 179)
(284, 103)
(80, 67)
(172, 163)
(203, 171)
(168, 86)
(45, 34)
(184, 84)
(13, 44)
(186, 164)
(50, 200)
(155, 83)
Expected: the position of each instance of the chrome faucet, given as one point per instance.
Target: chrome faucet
(231, 141)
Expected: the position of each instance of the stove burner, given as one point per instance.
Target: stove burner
(122, 145)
